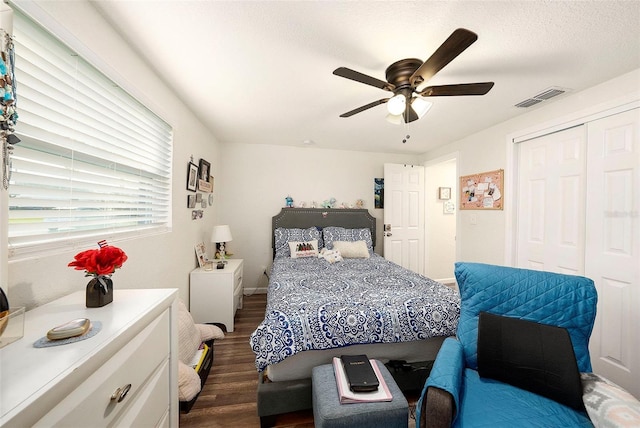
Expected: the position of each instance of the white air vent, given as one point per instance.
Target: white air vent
(549, 93)
(542, 96)
(528, 103)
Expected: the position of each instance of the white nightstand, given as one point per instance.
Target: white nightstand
(215, 295)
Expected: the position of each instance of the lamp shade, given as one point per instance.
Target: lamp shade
(420, 106)
(396, 104)
(221, 233)
(396, 119)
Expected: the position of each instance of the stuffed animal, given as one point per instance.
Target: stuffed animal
(289, 201)
(329, 203)
(331, 256)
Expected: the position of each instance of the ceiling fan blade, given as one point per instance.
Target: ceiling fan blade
(458, 89)
(365, 107)
(347, 73)
(457, 42)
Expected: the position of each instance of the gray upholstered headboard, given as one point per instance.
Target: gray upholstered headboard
(303, 218)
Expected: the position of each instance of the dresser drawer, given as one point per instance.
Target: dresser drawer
(150, 407)
(237, 277)
(237, 289)
(141, 362)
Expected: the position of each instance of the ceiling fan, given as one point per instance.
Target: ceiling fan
(405, 76)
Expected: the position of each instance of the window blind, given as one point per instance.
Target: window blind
(93, 163)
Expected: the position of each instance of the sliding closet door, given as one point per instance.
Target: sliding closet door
(551, 202)
(613, 245)
(579, 213)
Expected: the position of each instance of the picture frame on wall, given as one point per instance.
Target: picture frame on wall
(192, 176)
(378, 192)
(204, 172)
(444, 192)
(191, 201)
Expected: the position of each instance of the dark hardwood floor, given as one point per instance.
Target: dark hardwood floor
(228, 399)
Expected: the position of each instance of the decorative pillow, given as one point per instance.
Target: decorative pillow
(352, 249)
(189, 383)
(189, 338)
(607, 404)
(208, 331)
(532, 356)
(333, 233)
(303, 249)
(284, 236)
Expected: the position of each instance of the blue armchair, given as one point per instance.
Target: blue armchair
(456, 395)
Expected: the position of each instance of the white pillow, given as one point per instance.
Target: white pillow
(301, 249)
(352, 249)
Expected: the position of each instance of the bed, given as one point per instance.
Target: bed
(318, 307)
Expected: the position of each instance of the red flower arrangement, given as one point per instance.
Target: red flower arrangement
(103, 261)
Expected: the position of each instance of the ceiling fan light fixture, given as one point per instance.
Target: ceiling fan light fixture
(421, 106)
(395, 119)
(396, 104)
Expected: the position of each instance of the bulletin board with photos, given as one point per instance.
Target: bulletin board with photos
(482, 191)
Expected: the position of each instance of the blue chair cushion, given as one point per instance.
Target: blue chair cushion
(493, 404)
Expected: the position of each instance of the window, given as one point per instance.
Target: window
(93, 162)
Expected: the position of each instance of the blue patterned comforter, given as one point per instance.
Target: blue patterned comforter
(312, 304)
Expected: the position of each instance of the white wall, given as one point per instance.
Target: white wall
(154, 262)
(487, 150)
(258, 178)
(440, 242)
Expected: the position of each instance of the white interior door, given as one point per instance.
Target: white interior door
(551, 201)
(613, 245)
(404, 215)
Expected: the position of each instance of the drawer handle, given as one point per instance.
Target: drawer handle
(120, 393)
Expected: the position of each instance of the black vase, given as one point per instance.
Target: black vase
(99, 292)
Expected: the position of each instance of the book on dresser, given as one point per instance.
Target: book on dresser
(347, 396)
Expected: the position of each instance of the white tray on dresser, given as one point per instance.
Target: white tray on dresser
(72, 384)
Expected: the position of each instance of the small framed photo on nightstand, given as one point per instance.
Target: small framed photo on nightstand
(444, 193)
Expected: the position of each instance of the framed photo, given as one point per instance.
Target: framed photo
(204, 171)
(444, 193)
(191, 201)
(201, 254)
(192, 176)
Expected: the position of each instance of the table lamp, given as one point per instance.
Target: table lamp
(220, 235)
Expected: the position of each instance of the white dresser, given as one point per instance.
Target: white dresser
(73, 384)
(216, 295)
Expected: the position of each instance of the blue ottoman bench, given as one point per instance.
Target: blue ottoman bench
(329, 413)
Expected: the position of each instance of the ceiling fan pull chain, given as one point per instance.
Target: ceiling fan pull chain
(406, 129)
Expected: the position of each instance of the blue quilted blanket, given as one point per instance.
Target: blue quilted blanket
(313, 304)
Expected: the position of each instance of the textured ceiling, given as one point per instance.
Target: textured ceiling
(261, 71)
